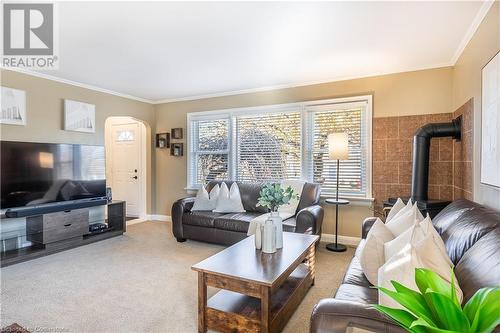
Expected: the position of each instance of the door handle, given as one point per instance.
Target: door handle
(135, 177)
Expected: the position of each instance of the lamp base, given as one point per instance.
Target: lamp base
(336, 247)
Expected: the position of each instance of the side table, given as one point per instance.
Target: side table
(336, 247)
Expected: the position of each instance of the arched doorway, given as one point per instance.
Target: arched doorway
(126, 142)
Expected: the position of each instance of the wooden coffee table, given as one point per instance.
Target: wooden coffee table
(259, 291)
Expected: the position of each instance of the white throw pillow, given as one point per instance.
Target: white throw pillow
(395, 209)
(402, 222)
(430, 231)
(229, 200)
(414, 235)
(419, 214)
(401, 268)
(204, 201)
(371, 256)
(403, 210)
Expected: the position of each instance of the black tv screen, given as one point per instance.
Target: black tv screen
(34, 174)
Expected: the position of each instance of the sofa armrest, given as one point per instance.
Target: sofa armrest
(180, 207)
(367, 225)
(309, 220)
(336, 316)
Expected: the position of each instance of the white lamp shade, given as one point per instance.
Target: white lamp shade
(338, 146)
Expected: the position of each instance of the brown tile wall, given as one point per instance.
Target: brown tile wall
(462, 154)
(450, 175)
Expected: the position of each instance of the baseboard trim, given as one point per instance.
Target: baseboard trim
(135, 221)
(346, 240)
(327, 238)
(158, 217)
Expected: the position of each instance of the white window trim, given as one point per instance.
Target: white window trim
(305, 109)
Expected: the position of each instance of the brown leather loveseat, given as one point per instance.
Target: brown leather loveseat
(229, 228)
(471, 234)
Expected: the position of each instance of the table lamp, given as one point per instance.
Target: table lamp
(338, 149)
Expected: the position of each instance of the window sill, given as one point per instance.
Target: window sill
(354, 201)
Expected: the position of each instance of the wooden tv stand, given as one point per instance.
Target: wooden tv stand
(59, 231)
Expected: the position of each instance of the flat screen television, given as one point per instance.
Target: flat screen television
(43, 174)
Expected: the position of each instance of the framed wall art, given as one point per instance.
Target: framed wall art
(176, 133)
(490, 123)
(176, 149)
(13, 107)
(79, 116)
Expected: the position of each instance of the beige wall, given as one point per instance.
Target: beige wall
(432, 91)
(44, 104)
(419, 92)
(467, 84)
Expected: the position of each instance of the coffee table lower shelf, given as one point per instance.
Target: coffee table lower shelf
(229, 311)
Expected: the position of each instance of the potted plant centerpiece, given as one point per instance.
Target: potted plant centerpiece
(273, 196)
(435, 307)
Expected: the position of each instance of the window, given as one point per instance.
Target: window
(283, 142)
(353, 176)
(268, 146)
(210, 150)
(125, 135)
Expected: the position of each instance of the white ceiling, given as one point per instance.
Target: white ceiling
(172, 50)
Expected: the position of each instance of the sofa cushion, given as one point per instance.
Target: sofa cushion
(200, 218)
(354, 274)
(235, 221)
(460, 231)
(479, 267)
(358, 294)
(450, 213)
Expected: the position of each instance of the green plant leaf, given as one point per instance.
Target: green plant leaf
(450, 315)
(483, 309)
(402, 317)
(416, 306)
(426, 279)
(401, 289)
(422, 324)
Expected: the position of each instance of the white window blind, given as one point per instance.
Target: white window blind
(268, 146)
(352, 175)
(273, 143)
(210, 150)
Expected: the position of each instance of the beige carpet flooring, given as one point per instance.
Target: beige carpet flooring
(141, 282)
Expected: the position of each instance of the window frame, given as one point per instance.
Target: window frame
(306, 110)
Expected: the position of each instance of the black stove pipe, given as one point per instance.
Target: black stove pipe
(421, 146)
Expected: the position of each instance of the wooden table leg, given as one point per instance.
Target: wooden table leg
(202, 303)
(311, 261)
(265, 308)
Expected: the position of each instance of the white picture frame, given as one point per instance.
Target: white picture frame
(13, 107)
(490, 123)
(79, 116)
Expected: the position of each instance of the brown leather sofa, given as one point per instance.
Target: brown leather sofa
(471, 234)
(227, 229)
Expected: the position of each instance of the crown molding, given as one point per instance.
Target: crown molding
(222, 94)
(77, 84)
(481, 14)
(485, 7)
(297, 85)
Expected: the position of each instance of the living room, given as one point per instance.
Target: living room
(194, 166)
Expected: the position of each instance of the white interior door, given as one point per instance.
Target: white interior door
(126, 161)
